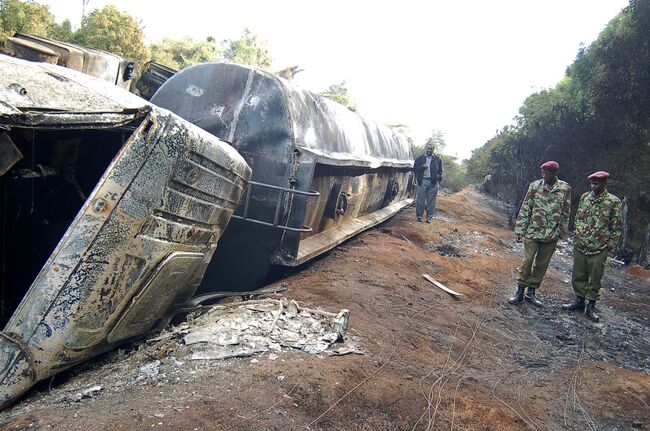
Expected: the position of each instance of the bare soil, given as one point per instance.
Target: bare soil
(430, 361)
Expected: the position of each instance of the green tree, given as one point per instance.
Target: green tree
(62, 32)
(437, 138)
(596, 118)
(405, 131)
(339, 93)
(113, 31)
(29, 17)
(248, 49)
(454, 174)
(179, 54)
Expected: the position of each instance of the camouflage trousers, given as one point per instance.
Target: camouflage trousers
(537, 256)
(588, 270)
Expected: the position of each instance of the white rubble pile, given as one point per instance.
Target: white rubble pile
(246, 328)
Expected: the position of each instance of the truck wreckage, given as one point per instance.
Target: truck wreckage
(321, 173)
(112, 206)
(94, 62)
(112, 209)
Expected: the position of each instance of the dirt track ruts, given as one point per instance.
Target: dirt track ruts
(430, 362)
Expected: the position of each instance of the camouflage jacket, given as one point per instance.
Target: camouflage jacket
(544, 214)
(597, 223)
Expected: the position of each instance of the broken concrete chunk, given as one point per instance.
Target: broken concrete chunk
(87, 393)
(341, 322)
(150, 370)
(225, 339)
(331, 337)
(244, 329)
(292, 308)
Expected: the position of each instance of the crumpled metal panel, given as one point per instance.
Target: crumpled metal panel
(70, 56)
(136, 250)
(42, 86)
(100, 64)
(106, 66)
(153, 76)
(245, 107)
(31, 51)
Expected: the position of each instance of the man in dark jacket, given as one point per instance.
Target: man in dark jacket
(428, 173)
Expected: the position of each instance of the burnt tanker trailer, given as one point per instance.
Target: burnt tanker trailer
(321, 173)
(111, 211)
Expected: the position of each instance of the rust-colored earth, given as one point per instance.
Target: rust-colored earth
(430, 361)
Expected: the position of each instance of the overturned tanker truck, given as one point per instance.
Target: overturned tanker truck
(111, 211)
(321, 173)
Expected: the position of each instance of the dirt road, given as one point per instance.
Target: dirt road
(430, 361)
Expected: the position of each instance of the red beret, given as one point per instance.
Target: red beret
(550, 166)
(599, 176)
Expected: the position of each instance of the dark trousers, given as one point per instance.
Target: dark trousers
(537, 256)
(427, 194)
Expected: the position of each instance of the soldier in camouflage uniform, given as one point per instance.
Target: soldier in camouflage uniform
(597, 230)
(543, 219)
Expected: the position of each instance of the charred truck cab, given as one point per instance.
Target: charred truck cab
(111, 211)
(100, 64)
(321, 173)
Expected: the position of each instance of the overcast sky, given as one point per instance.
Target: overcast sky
(463, 67)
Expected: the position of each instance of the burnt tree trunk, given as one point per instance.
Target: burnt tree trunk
(622, 250)
(645, 247)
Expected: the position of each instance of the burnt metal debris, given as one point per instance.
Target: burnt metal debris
(153, 76)
(321, 173)
(111, 211)
(100, 64)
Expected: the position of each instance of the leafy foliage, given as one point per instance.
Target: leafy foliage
(248, 49)
(454, 174)
(404, 131)
(339, 93)
(62, 32)
(437, 138)
(107, 29)
(596, 118)
(17, 16)
(114, 31)
(179, 54)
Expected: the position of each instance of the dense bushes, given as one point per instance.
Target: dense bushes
(596, 118)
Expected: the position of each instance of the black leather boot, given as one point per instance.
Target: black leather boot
(519, 296)
(577, 305)
(530, 297)
(591, 310)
